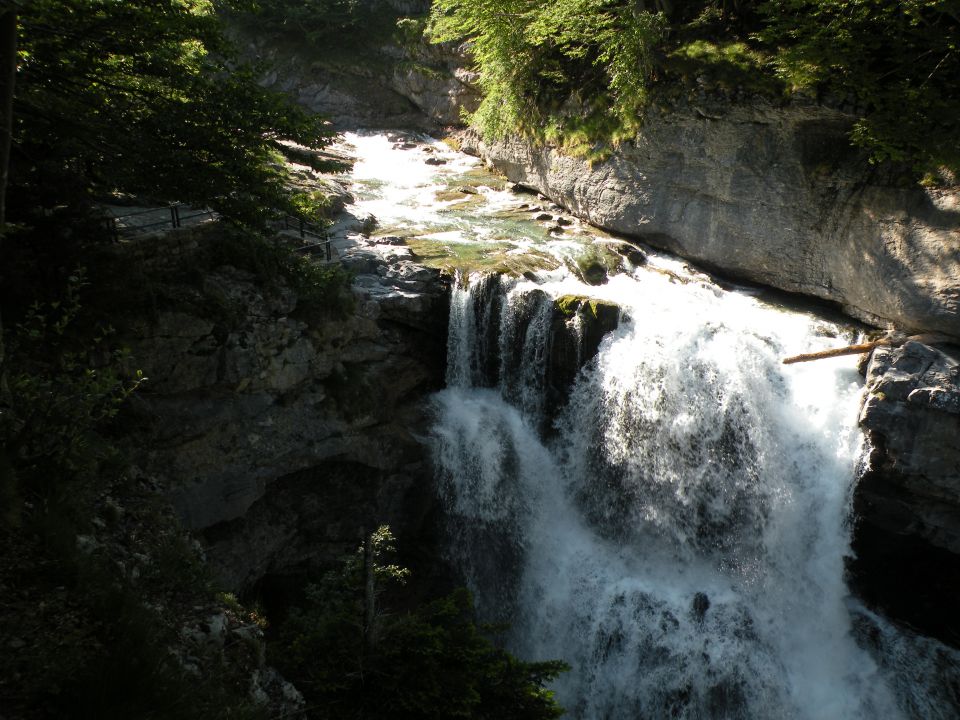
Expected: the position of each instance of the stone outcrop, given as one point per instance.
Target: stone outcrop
(907, 505)
(772, 195)
(386, 85)
(566, 331)
(912, 416)
(281, 431)
(577, 328)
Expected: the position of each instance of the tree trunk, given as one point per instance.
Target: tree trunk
(369, 594)
(835, 352)
(8, 77)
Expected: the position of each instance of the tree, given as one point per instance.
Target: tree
(353, 659)
(143, 97)
(567, 63)
(900, 59)
(320, 22)
(8, 77)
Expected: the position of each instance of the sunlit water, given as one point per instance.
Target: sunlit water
(677, 531)
(425, 204)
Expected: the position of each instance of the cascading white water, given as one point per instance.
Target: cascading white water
(679, 539)
(675, 525)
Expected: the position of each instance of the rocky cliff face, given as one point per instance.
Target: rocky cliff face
(907, 538)
(771, 195)
(283, 433)
(384, 84)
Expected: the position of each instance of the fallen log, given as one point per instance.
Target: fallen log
(836, 352)
(892, 338)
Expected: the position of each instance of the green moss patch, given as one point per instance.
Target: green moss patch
(570, 305)
(470, 257)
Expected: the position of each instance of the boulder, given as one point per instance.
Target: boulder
(578, 326)
(907, 504)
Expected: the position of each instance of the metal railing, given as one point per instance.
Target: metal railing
(180, 214)
(177, 218)
(309, 231)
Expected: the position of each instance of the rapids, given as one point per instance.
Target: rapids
(675, 526)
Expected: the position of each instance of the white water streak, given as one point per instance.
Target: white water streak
(689, 461)
(680, 537)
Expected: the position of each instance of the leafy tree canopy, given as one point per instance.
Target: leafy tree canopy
(544, 62)
(351, 658)
(582, 71)
(332, 27)
(899, 59)
(315, 20)
(142, 97)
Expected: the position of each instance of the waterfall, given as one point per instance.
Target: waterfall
(672, 518)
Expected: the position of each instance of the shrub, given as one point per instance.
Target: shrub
(352, 658)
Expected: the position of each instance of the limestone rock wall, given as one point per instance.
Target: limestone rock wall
(386, 85)
(283, 433)
(912, 416)
(771, 195)
(907, 504)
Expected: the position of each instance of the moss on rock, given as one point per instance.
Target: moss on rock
(602, 310)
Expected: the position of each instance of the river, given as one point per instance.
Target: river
(673, 521)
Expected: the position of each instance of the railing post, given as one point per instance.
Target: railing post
(175, 216)
(327, 241)
(301, 229)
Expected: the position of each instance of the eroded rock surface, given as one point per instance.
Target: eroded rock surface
(387, 85)
(773, 195)
(907, 505)
(284, 432)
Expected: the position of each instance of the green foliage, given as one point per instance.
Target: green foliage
(321, 288)
(63, 387)
(143, 97)
(726, 65)
(316, 20)
(100, 640)
(580, 72)
(328, 26)
(313, 206)
(429, 663)
(899, 59)
(99, 584)
(558, 62)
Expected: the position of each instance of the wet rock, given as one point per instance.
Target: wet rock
(907, 504)
(543, 217)
(714, 191)
(388, 240)
(593, 273)
(699, 606)
(578, 326)
(912, 417)
(435, 161)
(632, 254)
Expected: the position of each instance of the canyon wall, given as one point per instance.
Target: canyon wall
(771, 195)
(283, 431)
(778, 197)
